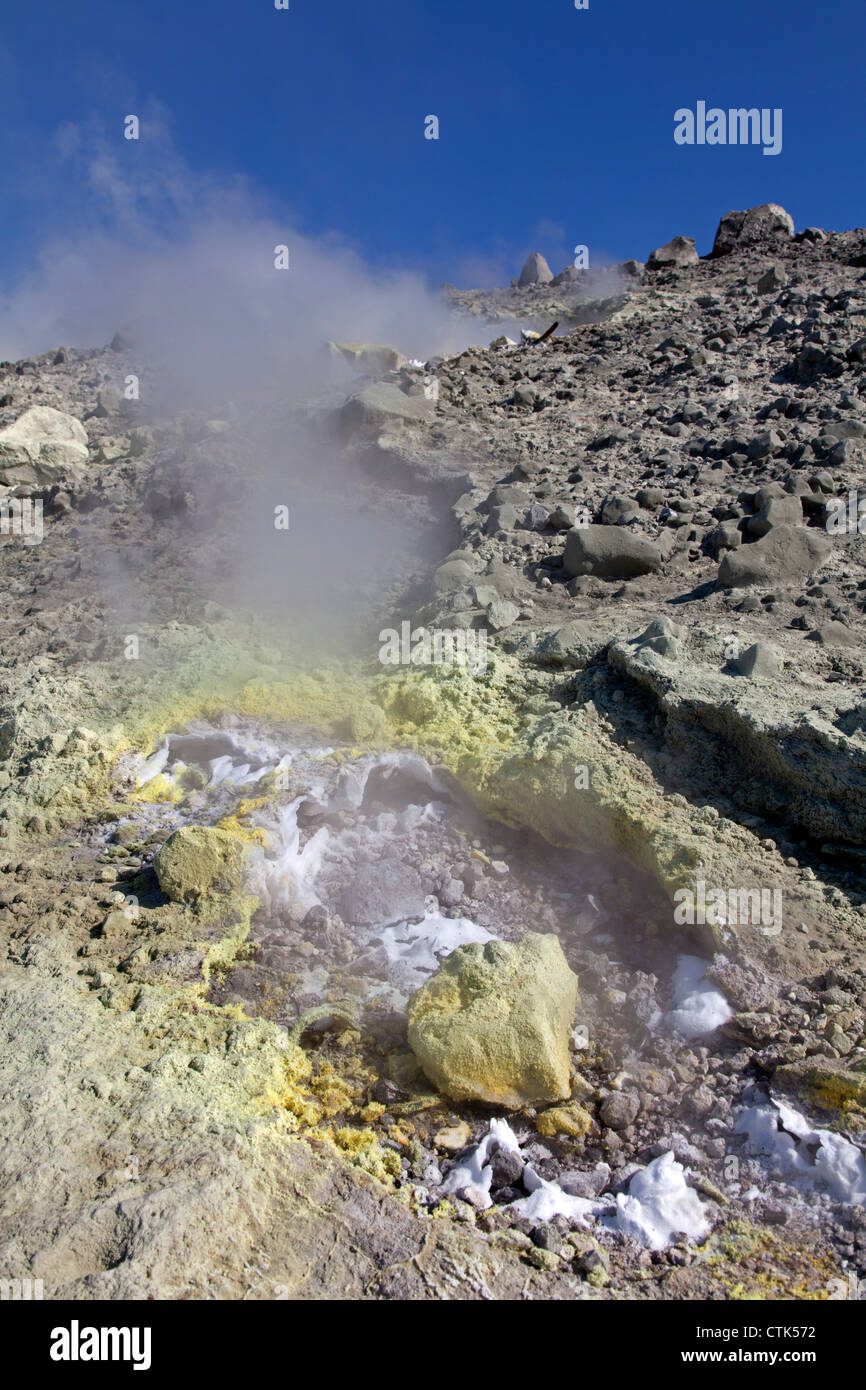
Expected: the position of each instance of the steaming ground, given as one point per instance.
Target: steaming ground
(155, 1093)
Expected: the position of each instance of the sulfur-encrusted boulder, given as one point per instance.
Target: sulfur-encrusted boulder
(493, 1025)
(198, 861)
(41, 446)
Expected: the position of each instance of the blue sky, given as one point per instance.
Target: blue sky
(556, 125)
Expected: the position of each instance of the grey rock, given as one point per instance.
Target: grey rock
(562, 518)
(505, 518)
(382, 403)
(611, 552)
(501, 614)
(661, 636)
(525, 396)
(834, 635)
(725, 536)
(773, 279)
(678, 252)
(108, 402)
(650, 497)
(545, 1236)
(776, 511)
(535, 271)
(619, 511)
(619, 1109)
(739, 229)
(450, 893)
(586, 1184)
(786, 555)
(453, 575)
(764, 445)
(537, 517)
(506, 1169)
(508, 494)
(759, 661)
(571, 646)
(384, 892)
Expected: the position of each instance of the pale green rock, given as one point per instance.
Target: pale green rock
(41, 446)
(198, 861)
(493, 1025)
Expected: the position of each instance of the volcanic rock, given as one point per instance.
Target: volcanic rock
(384, 404)
(535, 271)
(381, 892)
(835, 635)
(786, 555)
(494, 1024)
(368, 357)
(740, 229)
(760, 660)
(197, 861)
(611, 552)
(42, 446)
(776, 511)
(678, 252)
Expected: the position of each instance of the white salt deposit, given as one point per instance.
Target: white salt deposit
(806, 1157)
(287, 875)
(699, 1006)
(658, 1207)
(249, 760)
(289, 872)
(659, 1204)
(474, 1170)
(153, 765)
(422, 945)
(547, 1199)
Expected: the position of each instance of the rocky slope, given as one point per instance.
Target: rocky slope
(652, 517)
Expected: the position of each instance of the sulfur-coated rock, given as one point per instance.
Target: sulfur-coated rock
(493, 1025)
(197, 861)
(572, 1120)
(41, 446)
(368, 357)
